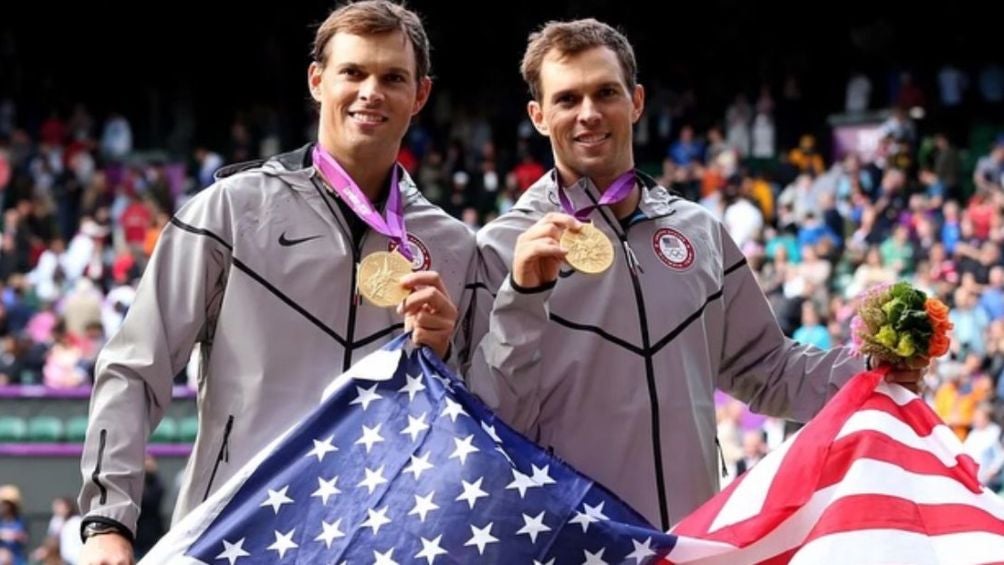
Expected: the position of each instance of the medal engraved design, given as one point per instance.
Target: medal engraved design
(589, 250)
(380, 276)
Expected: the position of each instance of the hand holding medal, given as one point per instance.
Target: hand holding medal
(379, 274)
(565, 237)
(385, 278)
(588, 250)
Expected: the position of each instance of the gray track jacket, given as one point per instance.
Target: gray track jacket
(259, 268)
(616, 372)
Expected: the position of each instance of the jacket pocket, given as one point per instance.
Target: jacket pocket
(224, 455)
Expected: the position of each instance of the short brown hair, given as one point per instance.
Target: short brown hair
(371, 17)
(574, 37)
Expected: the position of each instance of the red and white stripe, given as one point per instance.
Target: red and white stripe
(876, 477)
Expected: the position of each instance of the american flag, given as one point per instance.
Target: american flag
(875, 477)
(400, 464)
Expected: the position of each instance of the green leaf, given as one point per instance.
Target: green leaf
(894, 309)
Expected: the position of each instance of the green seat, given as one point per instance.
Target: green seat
(76, 429)
(166, 432)
(45, 429)
(188, 429)
(12, 429)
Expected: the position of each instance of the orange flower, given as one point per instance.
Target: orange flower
(937, 311)
(942, 327)
(938, 345)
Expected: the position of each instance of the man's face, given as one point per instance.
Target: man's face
(367, 91)
(587, 111)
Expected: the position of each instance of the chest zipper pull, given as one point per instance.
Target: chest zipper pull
(356, 297)
(632, 258)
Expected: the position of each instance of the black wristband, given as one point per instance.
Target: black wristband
(534, 289)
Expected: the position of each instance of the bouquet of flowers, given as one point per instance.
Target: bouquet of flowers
(901, 326)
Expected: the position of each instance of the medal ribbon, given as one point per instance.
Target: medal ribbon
(617, 191)
(392, 226)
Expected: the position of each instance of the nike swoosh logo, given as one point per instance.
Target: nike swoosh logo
(283, 241)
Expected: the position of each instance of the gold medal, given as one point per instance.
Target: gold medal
(589, 250)
(380, 276)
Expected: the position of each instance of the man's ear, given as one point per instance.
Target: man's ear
(536, 113)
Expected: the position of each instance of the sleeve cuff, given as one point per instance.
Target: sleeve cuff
(122, 529)
(531, 290)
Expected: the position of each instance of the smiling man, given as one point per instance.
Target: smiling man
(262, 269)
(616, 371)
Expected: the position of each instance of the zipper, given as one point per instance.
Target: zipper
(102, 438)
(354, 299)
(634, 268)
(721, 457)
(224, 455)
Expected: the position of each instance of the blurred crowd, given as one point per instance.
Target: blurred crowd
(917, 197)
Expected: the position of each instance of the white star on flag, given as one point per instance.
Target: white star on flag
(641, 551)
(499, 449)
(418, 465)
(481, 537)
(377, 518)
(373, 479)
(413, 387)
(431, 549)
(520, 482)
(472, 492)
(277, 498)
(326, 489)
(453, 409)
(322, 448)
(233, 551)
(370, 436)
(592, 514)
(490, 430)
(423, 505)
(594, 558)
(283, 543)
(533, 526)
(464, 447)
(330, 533)
(540, 476)
(415, 426)
(447, 383)
(384, 558)
(366, 396)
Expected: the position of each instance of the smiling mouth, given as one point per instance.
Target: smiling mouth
(591, 138)
(367, 118)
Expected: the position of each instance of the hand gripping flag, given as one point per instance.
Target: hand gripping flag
(875, 477)
(400, 464)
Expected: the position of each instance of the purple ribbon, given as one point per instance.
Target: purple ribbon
(349, 191)
(614, 193)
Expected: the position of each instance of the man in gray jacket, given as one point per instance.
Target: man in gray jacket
(616, 371)
(261, 267)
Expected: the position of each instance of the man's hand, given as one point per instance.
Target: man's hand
(911, 379)
(106, 549)
(538, 254)
(428, 311)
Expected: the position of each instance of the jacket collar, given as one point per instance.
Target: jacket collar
(655, 200)
(296, 168)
